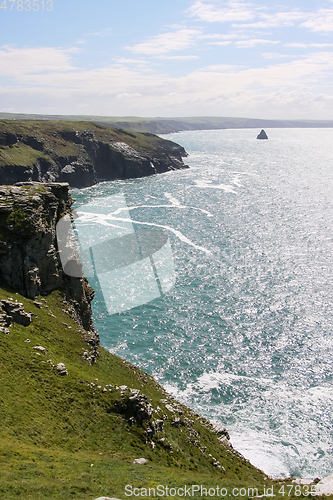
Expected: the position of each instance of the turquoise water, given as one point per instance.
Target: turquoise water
(244, 336)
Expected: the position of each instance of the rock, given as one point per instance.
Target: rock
(5, 319)
(106, 498)
(220, 430)
(301, 480)
(155, 427)
(262, 135)
(159, 424)
(137, 408)
(29, 258)
(140, 461)
(40, 348)
(61, 369)
(4, 330)
(225, 441)
(38, 304)
(325, 486)
(16, 311)
(170, 408)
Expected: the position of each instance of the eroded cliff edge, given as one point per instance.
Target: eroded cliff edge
(29, 256)
(81, 153)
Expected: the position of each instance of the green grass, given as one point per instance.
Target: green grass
(19, 154)
(63, 437)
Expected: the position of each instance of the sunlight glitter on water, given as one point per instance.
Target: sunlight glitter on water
(245, 335)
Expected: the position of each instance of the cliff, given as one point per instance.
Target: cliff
(77, 421)
(29, 258)
(81, 153)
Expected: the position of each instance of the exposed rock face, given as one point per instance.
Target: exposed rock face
(80, 153)
(61, 369)
(262, 135)
(15, 311)
(29, 260)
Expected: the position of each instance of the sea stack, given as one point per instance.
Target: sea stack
(262, 135)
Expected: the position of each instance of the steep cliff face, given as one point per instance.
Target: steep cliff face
(29, 258)
(81, 153)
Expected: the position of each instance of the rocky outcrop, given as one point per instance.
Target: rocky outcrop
(14, 311)
(29, 258)
(80, 153)
(262, 135)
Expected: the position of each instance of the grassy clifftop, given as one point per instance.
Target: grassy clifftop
(76, 436)
(81, 153)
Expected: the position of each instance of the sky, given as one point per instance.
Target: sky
(168, 58)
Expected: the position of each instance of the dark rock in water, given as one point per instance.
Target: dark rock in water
(262, 135)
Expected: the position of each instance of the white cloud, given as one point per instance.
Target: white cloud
(47, 76)
(226, 42)
(306, 45)
(322, 21)
(249, 15)
(180, 58)
(274, 55)
(320, 45)
(166, 42)
(234, 11)
(219, 36)
(125, 79)
(296, 45)
(126, 95)
(21, 61)
(126, 60)
(278, 19)
(254, 42)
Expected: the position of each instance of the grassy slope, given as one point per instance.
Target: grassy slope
(53, 428)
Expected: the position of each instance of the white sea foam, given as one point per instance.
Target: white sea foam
(172, 205)
(108, 220)
(228, 188)
(172, 200)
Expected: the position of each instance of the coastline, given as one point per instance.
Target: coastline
(165, 125)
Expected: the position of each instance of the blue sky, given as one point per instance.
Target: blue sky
(170, 58)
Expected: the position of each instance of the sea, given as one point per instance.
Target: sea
(238, 324)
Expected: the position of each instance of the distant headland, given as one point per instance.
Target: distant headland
(164, 125)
